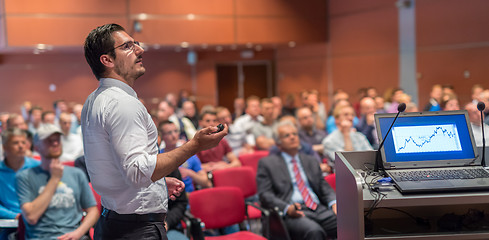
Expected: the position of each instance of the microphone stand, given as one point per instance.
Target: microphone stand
(378, 161)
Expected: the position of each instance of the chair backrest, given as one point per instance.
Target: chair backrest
(97, 198)
(331, 179)
(251, 159)
(21, 228)
(218, 207)
(69, 163)
(240, 177)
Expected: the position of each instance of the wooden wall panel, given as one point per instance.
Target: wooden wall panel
(174, 31)
(91, 7)
(352, 7)
(365, 33)
(448, 66)
(278, 30)
(313, 8)
(444, 22)
(178, 7)
(353, 72)
(302, 68)
(54, 31)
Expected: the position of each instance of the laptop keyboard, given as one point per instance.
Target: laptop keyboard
(439, 174)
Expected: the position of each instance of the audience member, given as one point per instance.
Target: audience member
(448, 89)
(52, 196)
(308, 133)
(176, 212)
(450, 103)
(366, 123)
(15, 145)
(318, 109)
(289, 105)
(394, 100)
(435, 98)
(183, 96)
(76, 125)
(72, 143)
(191, 171)
(235, 138)
(330, 123)
(166, 111)
(247, 121)
(277, 107)
(477, 89)
(48, 117)
(59, 107)
(214, 158)
(372, 92)
(3, 120)
(379, 104)
(361, 93)
(35, 119)
(239, 108)
(485, 98)
(189, 111)
(16, 121)
(293, 183)
(475, 121)
(263, 131)
(345, 138)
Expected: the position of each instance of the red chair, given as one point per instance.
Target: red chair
(251, 159)
(331, 179)
(69, 163)
(242, 178)
(221, 207)
(21, 229)
(98, 198)
(99, 206)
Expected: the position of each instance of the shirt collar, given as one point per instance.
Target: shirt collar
(288, 158)
(111, 82)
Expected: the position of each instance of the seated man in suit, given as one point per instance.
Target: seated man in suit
(293, 182)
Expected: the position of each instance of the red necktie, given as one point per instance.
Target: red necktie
(303, 188)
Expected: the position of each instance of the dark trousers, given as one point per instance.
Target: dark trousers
(315, 225)
(108, 229)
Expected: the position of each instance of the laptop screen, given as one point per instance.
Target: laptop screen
(426, 139)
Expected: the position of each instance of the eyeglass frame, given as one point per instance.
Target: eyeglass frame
(134, 43)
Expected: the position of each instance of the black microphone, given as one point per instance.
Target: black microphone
(481, 106)
(378, 161)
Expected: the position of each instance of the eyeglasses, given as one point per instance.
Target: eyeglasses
(287, 135)
(127, 46)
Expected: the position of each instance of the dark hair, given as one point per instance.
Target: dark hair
(205, 113)
(98, 42)
(164, 122)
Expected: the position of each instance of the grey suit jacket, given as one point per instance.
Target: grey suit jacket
(275, 185)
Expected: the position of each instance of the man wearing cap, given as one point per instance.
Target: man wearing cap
(52, 196)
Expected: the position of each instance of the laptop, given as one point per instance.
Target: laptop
(422, 145)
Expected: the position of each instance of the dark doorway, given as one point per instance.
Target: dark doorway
(243, 80)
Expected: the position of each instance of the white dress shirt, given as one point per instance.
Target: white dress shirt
(120, 142)
(72, 147)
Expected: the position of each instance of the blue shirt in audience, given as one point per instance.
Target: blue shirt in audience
(9, 203)
(193, 163)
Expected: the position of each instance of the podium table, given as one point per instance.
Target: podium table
(395, 215)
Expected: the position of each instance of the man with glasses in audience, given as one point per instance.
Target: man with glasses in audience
(292, 182)
(120, 142)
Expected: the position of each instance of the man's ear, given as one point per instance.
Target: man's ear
(107, 60)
